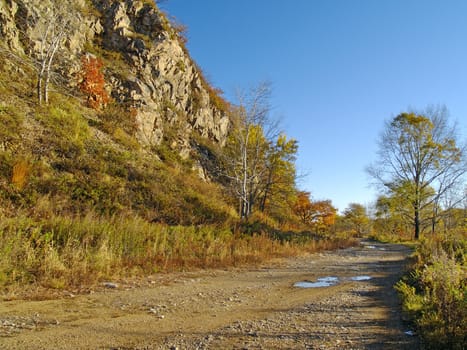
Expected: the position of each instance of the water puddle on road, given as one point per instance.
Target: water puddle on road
(360, 278)
(321, 282)
(329, 281)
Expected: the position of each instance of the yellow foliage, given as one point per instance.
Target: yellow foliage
(20, 174)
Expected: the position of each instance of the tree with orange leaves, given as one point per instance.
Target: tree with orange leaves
(323, 215)
(303, 206)
(320, 215)
(93, 82)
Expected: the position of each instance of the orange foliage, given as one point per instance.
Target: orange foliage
(323, 214)
(20, 174)
(318, 214)
(302, 206)
(93, 82)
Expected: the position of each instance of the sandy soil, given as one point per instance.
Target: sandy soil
(235, 309)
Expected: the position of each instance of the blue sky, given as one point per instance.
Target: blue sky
(339, 69)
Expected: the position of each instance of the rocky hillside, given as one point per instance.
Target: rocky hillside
(148, 151)
(117, 158)
(146, 64)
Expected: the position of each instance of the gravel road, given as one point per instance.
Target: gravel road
(354, 307)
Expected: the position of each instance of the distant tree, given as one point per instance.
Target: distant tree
(320, 215)
(323, 215)
(355, 214)
(419, 159)
(93, 82)
(302, 207)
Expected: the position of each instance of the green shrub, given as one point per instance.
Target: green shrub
(434, 294)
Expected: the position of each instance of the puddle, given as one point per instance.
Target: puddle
(329, 281)
(321, 282)
(360, 278)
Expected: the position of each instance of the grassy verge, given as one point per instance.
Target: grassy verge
(434, 293)
(67, 252)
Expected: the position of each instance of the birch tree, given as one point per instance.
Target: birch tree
(246, 147)
(53, 24)
(256, 152)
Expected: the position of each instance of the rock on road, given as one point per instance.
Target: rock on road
(234, 309)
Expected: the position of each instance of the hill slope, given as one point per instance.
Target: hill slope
(110, 145)
(77, 158)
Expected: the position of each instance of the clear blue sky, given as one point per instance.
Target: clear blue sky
(339, 68)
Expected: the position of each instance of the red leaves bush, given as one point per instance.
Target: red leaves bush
(93, 82)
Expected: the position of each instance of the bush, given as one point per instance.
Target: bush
(435, 292)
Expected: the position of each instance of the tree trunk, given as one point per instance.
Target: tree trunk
(40, 78)
(39, 89)
(54, 48)
(417, 223)
(46, 87)
(245, 195)
(266, 191)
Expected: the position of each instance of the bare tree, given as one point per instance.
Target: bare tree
(55, 25)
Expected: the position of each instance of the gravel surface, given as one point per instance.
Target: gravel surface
(257, 308)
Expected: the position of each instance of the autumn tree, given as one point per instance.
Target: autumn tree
(323, 215)
(278, 182)
(320, 215)
(356, 216)
(419, 159)
(258, 161)
(302, 207)
(93, 82)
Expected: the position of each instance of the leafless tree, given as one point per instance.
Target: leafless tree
(54, 24)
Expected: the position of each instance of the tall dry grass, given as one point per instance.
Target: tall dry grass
(63, 252)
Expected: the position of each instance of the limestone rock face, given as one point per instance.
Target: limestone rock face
(152, 71)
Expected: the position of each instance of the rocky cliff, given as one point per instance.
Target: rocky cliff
(146, 64)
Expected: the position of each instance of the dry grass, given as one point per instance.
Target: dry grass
(65, 252)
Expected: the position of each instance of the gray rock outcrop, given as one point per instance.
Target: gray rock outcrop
(150, 71)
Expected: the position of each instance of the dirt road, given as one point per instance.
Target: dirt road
(235, 309)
